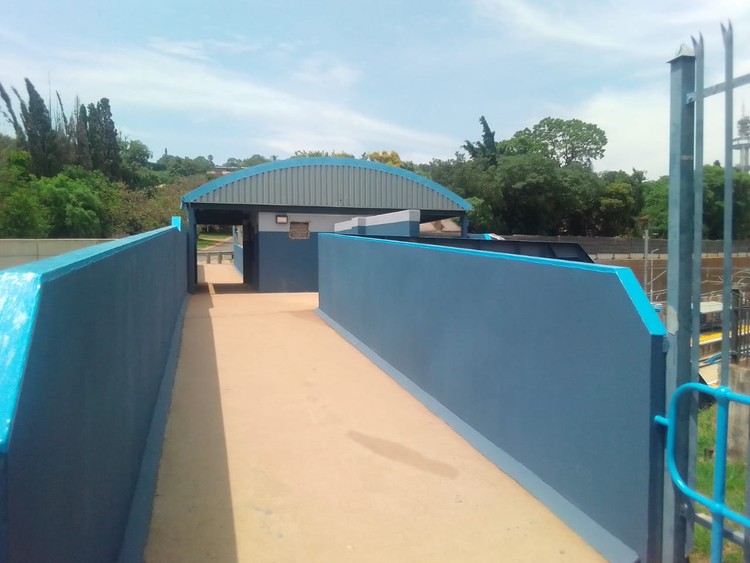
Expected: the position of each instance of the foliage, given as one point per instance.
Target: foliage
(704, 475)
(655, 203)
(570, 141)
(385, 157)
(486, 149)
(713, 203)
(318, 153)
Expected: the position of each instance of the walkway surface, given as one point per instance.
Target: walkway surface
(285, 443)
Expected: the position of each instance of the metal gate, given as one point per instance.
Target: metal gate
(683, 506)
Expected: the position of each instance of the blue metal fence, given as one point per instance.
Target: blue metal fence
(719, 510)
(683, 310)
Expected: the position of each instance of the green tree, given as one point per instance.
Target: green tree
(10, 115)
(655, 206)
(42, 139)
(584, 190)
(103, 139)
(22, 214)
(486, 149)
(72, 206)
(713, 203)
(569, 141)
(318, 153)
(82, 146)
(385, 157)
(254, 160)
(536, 199)
(617, 208)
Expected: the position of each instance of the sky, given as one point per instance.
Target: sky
(235, 78)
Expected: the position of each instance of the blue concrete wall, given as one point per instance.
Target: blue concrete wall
(398, 229)
(554, 370)
(90, 335)
(238, 258)
(286, 265)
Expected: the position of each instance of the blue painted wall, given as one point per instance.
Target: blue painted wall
(399, 229)
(238, 258)
(560, 366)
(286, 265)
(396, 229)
(93, 330)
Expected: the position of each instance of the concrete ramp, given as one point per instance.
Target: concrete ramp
(285, 443)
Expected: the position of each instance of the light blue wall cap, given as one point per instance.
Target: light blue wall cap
(323, 161)
(624, 275)
(19, 298)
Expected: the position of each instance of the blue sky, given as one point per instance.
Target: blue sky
(237, 78)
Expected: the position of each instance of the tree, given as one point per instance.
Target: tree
(584, 189)
(570, 141)
(713, 203)
(82, 147)
(486, 149)
(318, 153)
(385, 157)
(72, 206)
(254, 160)
(10, 116)
(655, 206)
(617, 208)
(536, 200)
(41, 139)
(103, 139)
(22, 215)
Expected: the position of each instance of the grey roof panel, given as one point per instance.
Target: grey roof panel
(328, 182)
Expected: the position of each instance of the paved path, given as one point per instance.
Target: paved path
(285, 444)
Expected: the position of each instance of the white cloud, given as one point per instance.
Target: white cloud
(176, 81)
(638, 27)
(194, 50)
(324, 72)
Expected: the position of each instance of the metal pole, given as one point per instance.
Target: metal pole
(645, 259)
(695, 331)
(726, 33)
(679, 286)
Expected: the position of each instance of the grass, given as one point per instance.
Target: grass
(207, 240)
(735, 487)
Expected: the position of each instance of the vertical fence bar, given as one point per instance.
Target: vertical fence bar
(720, 474)
(697, 264)
(726, 33)
(679, 284)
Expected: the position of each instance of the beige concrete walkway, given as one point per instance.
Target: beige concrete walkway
(286, 444)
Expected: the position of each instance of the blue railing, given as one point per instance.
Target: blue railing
(719, 510)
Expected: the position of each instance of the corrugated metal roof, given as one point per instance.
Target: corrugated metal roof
(328, 182)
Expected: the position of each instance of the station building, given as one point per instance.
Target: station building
(278, 209)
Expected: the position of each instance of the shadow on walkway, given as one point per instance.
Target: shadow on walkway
(193, 509)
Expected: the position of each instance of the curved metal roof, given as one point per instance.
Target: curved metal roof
(328, 182)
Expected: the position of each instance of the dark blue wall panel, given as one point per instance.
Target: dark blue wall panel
(398, 229)
(286, 265)
(559, 365)
(103, 322)
(238, 258)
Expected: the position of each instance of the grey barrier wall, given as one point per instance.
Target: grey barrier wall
(88, 338)
(554, 370)
(14, 252)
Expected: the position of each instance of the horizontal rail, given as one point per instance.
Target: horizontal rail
(719, 510)
(220, 254)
